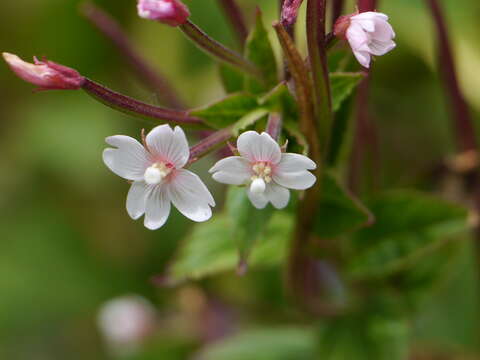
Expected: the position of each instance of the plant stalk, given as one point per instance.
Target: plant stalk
(210, 143)
(236, 19)
(274, 125)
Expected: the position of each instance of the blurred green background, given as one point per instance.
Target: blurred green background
(67, 244)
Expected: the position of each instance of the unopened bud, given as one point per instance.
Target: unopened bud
(170, 12)
(290, 11)
(47, 75)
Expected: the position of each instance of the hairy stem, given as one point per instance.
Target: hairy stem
(316, 40)
(274, 125)
(113, 32)
(210, 143)
(218, 51)
(137, 108)
(235, 17)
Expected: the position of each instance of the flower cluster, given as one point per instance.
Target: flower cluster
(156, 167)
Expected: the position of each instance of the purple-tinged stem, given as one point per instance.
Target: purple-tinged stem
(316, 40)
(461, 115)
(217, 50)
(137, 108)
(112, 31)
(210, 143)
(236, 19)
(367, 5)
(274, 125)
(337, 9)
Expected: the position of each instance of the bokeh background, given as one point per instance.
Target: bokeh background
(66, 243)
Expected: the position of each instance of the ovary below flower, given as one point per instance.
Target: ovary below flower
(170, 12)
(265, 170)
(158, 176)
(368, 33)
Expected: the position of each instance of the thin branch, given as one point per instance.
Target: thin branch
(145, 72)
(274, 125)
(337, 10)
(217, 50)
(236, 19)
(367, 5)
(137, 108)
(210, 143)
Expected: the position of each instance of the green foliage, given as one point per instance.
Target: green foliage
(339, 212)
(212, 247)
(260, 52)
(376, 333)
(232, 80)
(227, 111)
(343, 84)
(408, 225)
(248, 223)
(287, 343)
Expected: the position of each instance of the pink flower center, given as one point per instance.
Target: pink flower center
(157, 172)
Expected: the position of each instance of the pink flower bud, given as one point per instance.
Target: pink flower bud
(47, 75)
(170, 12)
(290, 11)
(368, 33)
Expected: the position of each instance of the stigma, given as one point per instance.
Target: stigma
(262, 176)
(156, 173)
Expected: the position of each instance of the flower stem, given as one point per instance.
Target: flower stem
(274, 125)
(144, 71)
(137, 108)
(316, 40)
(235, 17)
(217, 50)
(210, 143)
(367, 5)
(337, 9)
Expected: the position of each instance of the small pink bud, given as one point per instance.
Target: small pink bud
(47, 75)
(170, 12)
(290, 11)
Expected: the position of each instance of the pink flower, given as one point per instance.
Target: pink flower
(170, 12)
(47, 75)
(159, 179)
(266, 171)
(368, 33)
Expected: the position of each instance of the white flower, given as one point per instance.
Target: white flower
(158, 177)
(368, 33)
(266, 171)
(126, 321)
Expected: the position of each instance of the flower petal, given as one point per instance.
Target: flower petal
(383, 31)
(136, 199)
(233, 170)
(294, 163)
(170, 145)
(129, 160)
(298, 180)
(356, 36)
(277, 195)
(258, 200)
(157, 207)
(370, 15)
(258, 147)
(363, 58)
(190, 196)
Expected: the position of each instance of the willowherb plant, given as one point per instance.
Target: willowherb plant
(305, 111)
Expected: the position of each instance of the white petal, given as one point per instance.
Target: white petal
(277, 195)
(370, 15)
(363, 58)
(258, 147)
(129, 160)
(299, 180)
(367, 25)
(378, 48)
(190, 196)
(295, 162)
(157, 207)
(170, 145)
(356, 37)
(234, 170)
(258, 200)
(136, 199)
(383, 31)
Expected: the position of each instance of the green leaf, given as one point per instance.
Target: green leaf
(232, 80)
(365, 336)
(212, 248)
(248, 223)
(227, 111)
(249, 119)
(409, 224)
(339, 212)
(287, 343)
(342, 84)
(260, 52)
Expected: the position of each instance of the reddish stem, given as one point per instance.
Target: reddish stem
(112, 31)
(274, 125)
(210, 143)
(235, 16)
